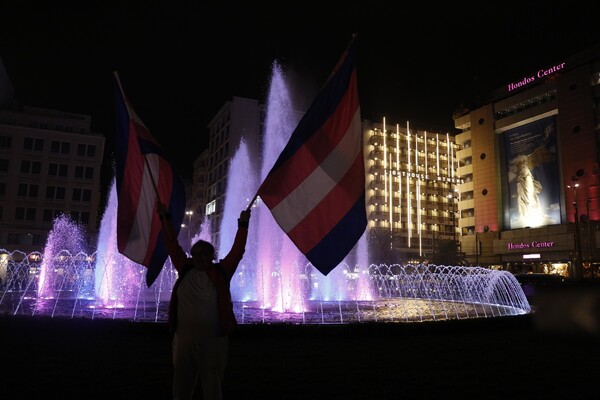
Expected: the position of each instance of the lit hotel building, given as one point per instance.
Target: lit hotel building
(529, 171)
(411, 190)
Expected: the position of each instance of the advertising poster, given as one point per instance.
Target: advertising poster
(532, 171)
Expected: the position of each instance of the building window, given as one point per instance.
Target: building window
(3, 165)
(58, 170)
(12, 238)
(22, 213)
(84, 172)
(38, 239)
(211, 207)
(47, 215)
(27, 190)
(60, 147)
(31, 167)
(5, 142)
(55, 193)
(81, 217)
(32, 144)
(82, 194)
(50, 215)
(88, 150)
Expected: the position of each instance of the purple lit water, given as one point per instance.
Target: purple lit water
(274, 274)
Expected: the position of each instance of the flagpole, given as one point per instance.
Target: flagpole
(252, 202)
(341, 60)
(145, 158)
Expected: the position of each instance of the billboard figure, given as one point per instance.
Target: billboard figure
(528, 188)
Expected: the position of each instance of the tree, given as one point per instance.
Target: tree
(447, 252)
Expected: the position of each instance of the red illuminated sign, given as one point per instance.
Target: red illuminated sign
(542, 73)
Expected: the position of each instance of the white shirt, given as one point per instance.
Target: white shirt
(197, 310)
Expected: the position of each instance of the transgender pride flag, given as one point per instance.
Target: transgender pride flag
(144, 175)
(316, 189)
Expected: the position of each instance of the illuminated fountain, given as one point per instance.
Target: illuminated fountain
(274, 282)
(67, 281)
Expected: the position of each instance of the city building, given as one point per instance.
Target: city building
(239, 119)
(529, 199)
(50, 164)
(196, 199)
(411, 191)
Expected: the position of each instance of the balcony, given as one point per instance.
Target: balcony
(377, 200)
(464, 153)
(465, 187)
(466, 222)
(377, 184)
(465, 170)
(376, 169)
(463, 122)
(466, 205)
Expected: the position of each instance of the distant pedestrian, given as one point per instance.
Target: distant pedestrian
(201, 311)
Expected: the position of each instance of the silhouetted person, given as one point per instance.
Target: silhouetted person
(201, 312)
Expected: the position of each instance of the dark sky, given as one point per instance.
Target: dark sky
(180, 61)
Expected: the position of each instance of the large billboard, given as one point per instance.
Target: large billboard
(532, 175)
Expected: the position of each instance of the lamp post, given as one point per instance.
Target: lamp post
(577, 270)
(589, 238)
(476, 249)
(452, 212)
(189, 214)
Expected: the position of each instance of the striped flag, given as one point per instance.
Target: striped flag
(143, 175)
(316, 188)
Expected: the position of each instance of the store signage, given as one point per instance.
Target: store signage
(426, 177)
(530, 256)
(533, 245)
(541, 74)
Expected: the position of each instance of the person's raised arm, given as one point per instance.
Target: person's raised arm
(178, 256)
(232, 259)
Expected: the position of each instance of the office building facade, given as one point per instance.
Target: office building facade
(239, 119)
(411, 191)
(529, 165)
(50, 164)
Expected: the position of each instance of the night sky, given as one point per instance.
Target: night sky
(179, 63)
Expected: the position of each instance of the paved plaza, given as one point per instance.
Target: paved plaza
(500, 358)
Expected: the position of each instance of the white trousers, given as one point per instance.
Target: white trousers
(199, 356)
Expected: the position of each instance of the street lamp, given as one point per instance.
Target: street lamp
(577, 272)
(189, 214)
(452, 212)
(589, 238)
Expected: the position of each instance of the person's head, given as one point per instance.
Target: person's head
(203, 252)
